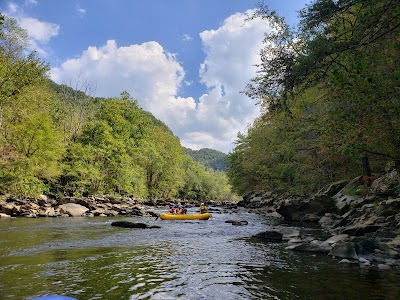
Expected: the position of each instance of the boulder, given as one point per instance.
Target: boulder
(126, 224)
(11, 209)
(344, 250)
(306, 209)
(73, 209)
(360, 229)
(386, 185)
(333, 188)
(272, 236)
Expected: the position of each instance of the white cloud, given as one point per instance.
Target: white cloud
(81, 11)
(146, 71)
(231, 53)
(31, 2)
(187, 38)
(39, 32)
(153, 77)
(12, 8)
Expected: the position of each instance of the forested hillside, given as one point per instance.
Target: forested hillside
(210, 158)
(329, 91)
(59, 140)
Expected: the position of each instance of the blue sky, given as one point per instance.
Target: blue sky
(186, 61)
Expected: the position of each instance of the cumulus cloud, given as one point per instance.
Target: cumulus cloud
(146, 71)
(153, 76)
(39, 32)
(231, 51)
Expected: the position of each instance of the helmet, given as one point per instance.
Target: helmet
(202, 204)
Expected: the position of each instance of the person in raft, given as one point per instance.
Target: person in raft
(173, 209)
(203, 209)
(182, 210)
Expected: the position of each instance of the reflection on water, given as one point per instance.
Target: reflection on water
(87, 258)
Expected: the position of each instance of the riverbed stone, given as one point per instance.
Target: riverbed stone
(272, 236)
(344, 250)
(336, 238)
(126, 224)
(395, 242)
(73, 209)
(237, 222)
(346, 261)
(383, 267)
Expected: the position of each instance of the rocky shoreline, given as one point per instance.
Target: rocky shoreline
(363, 220)
(93, 206)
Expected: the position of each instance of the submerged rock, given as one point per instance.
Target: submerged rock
(272, 236)
(237, 222)
(126, 224)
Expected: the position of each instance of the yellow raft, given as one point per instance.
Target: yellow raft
(167, 216)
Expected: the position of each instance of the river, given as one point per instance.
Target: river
(87, 258)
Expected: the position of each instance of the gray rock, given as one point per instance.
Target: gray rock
(344, 250)
(386, 185)
(73, 209)
(360, 229)
(383, 267)
(346, 261)
(364, 261)
(336, 238)
(126, 224)
(333, 188)
(237, 222)
(273, 236)
(395, 242)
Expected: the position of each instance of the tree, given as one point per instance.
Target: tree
(327, 92)
(29, 146)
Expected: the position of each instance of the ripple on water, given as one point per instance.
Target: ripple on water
(90, 259)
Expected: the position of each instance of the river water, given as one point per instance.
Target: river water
(87, 258)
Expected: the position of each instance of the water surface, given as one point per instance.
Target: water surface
(87, 258)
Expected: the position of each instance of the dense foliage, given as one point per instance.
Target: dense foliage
(57, 139)
(329, 93)
(210, 158)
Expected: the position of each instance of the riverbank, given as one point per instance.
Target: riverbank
(92, 206)
(363, 219)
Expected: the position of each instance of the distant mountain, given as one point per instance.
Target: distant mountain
(210, 158)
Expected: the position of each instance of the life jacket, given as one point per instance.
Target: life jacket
(203, 209)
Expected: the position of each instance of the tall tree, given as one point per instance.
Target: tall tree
(327, 92)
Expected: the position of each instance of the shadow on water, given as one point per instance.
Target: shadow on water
(87, 258)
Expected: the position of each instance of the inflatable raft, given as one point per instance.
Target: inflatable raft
(167, 216)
